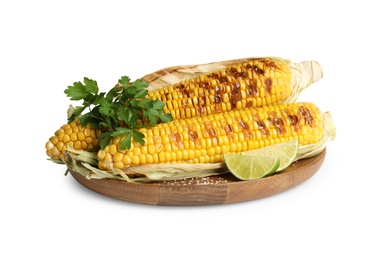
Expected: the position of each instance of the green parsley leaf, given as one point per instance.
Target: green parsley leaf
(118, 112)
(114, 92)
(129, 92)
(165, 118)
(76, 92)
(124, 80)
(127, 115)
(91, 86)
(139, 137)
(158, 104)
(146, 104)
(126, 143)
(105, 107)
(119, 131)
(105, 139)
(134, 103)
(151, 115)
(134, 118)
(140, 84)
(141, 94)
(84, 119)
(76, 112)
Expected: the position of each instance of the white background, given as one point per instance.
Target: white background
(342, 212)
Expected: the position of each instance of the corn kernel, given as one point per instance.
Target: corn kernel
(117, 157)
(77, 145)
(135, 160)
(73, 137)
(149, 158)
(136, 150)
(119, 165)
(112, 149)
(54, 140)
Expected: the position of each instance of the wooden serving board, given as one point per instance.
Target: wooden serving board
(222, 189)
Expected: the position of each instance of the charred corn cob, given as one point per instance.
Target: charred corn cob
(243, 84)
(209, 88)
(205, 139)
(75, 135)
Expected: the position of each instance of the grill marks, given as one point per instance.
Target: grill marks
(235, 95)
(206, 139)
(261, 125)
(277, 121)
(274, 123)
(193, 135)
(230, 85)
(268, 85)
(307, 116)
(293, 119)
(177, 140)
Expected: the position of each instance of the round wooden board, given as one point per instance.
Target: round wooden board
(222, 189)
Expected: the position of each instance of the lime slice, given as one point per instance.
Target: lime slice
(251, 167)
(287, 152)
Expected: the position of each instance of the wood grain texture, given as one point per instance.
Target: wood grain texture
(223, 189)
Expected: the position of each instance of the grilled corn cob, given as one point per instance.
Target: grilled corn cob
(205, 139)
(244, 83)
(75, 135)
(206, 89)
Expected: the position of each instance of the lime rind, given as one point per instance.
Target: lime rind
(287, 152)
(251, 167)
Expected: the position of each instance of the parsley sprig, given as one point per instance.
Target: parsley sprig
(119, 112)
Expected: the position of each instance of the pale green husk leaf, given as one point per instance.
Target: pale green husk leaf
(85, 163)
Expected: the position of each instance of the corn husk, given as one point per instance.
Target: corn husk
(84, 162)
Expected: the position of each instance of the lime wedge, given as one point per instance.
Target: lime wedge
(287, 152)
(251, 167)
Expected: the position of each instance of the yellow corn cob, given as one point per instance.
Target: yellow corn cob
(253, 83)
(75, 135)
(236, 84)
(205, 139)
